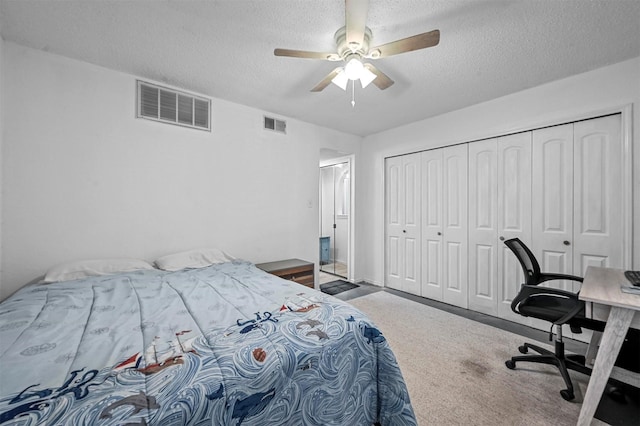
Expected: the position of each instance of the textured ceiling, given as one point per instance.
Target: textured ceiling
(224, 49)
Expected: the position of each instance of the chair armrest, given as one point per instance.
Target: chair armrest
(549, 277)
(527, 291)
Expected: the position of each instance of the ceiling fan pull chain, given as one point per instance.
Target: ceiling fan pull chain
(353, 93)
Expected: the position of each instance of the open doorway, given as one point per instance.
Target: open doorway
(336, 187)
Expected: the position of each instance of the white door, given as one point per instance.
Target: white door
(483, 226)
(577, 200)
(432, 225)
(402, 265)
(552, 201)
(514, 215)
(454, 217)
(598, 219)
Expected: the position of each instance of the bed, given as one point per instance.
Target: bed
(224, 344)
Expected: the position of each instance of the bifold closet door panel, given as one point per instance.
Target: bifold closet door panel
(499, 209)
(412, 222)
(455, 213)
(514, 216)
(403, 220)
(577, 198)
(393, 216)
(483, 226)
(552, 201)
(598, 179)
(432, 224)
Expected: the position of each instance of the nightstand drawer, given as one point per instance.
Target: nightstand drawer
(296, 270)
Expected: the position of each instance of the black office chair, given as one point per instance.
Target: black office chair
(556, 306)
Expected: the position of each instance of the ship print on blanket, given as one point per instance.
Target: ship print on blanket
(168, 348)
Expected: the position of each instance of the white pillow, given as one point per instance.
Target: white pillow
(198, 258)
(89, 268)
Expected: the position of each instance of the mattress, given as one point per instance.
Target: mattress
(226, 344)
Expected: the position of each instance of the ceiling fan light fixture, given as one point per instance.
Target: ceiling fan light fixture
(354, 69)
(366, 77)
(341, 80)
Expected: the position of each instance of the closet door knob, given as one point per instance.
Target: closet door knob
(439, 233)
(501, 238)
(404, 231)
(566, 243)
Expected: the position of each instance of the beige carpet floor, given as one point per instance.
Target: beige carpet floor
(454, 369)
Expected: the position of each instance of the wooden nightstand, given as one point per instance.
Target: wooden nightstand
(296, 270)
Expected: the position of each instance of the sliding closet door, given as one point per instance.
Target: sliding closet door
(514, 215)
(454, 241)
(432, 224)
(483, 226)
(402, 265)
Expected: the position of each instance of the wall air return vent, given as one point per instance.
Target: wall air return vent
(275, 125)
(172, 106)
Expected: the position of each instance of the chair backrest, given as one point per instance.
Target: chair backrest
(530, 265)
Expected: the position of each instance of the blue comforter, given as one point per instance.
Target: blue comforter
(222, 345)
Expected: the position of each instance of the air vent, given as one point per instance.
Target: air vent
(275, 125)
(171, 106)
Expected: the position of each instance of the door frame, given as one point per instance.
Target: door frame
(350, 160)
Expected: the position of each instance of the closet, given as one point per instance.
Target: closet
(499, 209)
(557, 188)
(402, 260)
(444, 223)
(577, 194)
(577, 197)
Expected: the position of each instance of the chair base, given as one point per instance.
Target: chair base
(563, 362)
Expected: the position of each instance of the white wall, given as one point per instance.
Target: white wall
(83, 178)
(564, 100)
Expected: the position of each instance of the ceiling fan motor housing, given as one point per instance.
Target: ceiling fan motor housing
(345, 50)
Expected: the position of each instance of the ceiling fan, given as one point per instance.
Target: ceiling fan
(353, 48)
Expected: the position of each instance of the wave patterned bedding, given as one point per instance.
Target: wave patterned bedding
(223, 345)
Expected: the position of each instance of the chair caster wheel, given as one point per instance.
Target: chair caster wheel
(567, 395)
(510, 364)
(523, 349)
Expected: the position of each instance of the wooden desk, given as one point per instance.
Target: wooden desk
(605, 302)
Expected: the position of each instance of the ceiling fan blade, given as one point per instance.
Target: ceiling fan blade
(305, 54)
(356, 21)
(419, 41)
(382, 80)
(327, 80)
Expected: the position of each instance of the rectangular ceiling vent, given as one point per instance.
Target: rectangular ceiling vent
(172, 106)
(275, 125)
